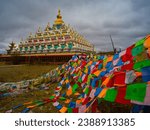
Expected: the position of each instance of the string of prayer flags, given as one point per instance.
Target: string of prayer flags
(87, 79)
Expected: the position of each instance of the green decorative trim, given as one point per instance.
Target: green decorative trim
(49, 47)
(26, 48)
(31, 48)
(20, 48)
(63, 46)
(55, 46)
(37, 48)
(70, 45)
(42, 46)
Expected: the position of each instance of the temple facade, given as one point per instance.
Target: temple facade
(58, 38)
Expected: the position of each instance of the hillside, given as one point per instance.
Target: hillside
(87, 84)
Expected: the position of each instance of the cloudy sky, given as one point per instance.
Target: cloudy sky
(125, 20)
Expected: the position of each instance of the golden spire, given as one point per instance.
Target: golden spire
(59, 12)
(59, 18)
(30, 34)
(39, 29)
(48, 25)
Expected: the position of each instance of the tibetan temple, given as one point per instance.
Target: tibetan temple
(58, 42)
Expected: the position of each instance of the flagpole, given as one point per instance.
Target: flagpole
(112, 44)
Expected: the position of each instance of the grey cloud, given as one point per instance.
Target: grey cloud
(125, 20)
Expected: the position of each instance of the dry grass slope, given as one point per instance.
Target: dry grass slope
(13, 73)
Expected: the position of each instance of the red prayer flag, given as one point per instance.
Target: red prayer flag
(75, 110)
(121, 96)
(119, 79)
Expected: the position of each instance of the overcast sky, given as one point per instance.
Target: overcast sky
(125, 20)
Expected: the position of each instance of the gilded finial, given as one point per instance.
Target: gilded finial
(59, 12)
(59, 18)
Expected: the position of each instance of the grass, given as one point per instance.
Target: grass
(7, 103)
(14, 73)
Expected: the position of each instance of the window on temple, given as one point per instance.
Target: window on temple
(35, 40)
(53, 38)
(41, 40)
(60, 38)
(67, 37)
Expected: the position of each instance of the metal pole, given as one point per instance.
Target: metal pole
(112, 43)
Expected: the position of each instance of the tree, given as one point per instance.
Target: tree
(12, 46)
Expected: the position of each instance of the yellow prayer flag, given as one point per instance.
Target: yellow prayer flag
(63, 109)
(67, 101)
(105, 82)
(97, 72)
(69, 91)
(147, 42)
(86, 71)
(77, 94)
(78, 101)
(31, 106)
(103, 93)
(110, 58)
(27, 103)
(67, 81)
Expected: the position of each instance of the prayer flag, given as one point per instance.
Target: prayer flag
(136, 92)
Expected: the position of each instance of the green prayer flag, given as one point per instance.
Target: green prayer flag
(89, 78)
(74, 64)
(99, 83)
(40, 103)
(75, 86)
(137, 50)
(111, 95)
(140, 42)
(105, 59)
(80, 80)
(100, 100)
(37, 101)
(69, 110)
(136, 92)
(71, 63)
(51, 97)
(138, 65)
(86, 90)
(62, 98)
